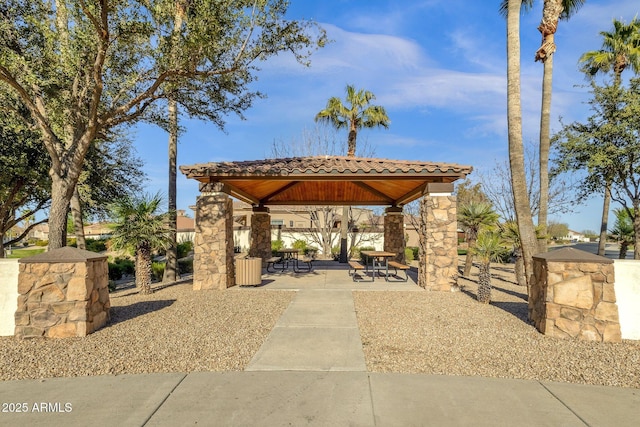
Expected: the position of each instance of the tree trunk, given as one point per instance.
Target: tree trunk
(605, 219)
(2, 252)
(468, 261)
(61, 192)
(624, 246)
(78, 225)
(143, 269)
(344, 226)
(484, 283)
(519, 270)
(636, 229)
(171, 266)
(544, 151)
(516, 150)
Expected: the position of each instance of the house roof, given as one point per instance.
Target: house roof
(326, 180)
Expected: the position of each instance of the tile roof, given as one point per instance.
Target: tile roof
(322, 165)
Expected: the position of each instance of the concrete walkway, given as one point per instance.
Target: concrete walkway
(311, 372)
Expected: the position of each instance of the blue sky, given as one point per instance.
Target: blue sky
(437, 66)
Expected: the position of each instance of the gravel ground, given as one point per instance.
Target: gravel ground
(172, 330)
(178, 330)
(453, 334)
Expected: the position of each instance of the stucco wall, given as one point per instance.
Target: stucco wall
(8, 295)
(628, 297)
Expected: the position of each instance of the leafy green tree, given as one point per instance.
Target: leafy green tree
(82, 68)
(467, 192)
(623, 231)
(488, 248)
(24, 182)
(557, 230)
(474, 217)
(141, 228)
(606, 146)
(620, 50)
(354, 115)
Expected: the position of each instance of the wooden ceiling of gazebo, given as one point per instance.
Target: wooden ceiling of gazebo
(326, 180)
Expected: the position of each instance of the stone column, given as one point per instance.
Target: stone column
(213, 259)
(438, 265)
(62, 293)
(260, 246)
(394, 233)
(573, 296)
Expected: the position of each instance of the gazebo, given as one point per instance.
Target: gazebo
(325, 180)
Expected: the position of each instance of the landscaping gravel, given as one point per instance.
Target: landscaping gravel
(176, 329)
(453, 334)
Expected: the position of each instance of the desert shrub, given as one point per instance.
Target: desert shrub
(42, 242)
(416, 251)
(111, 285)
(115, 271)
(96, 245)
(157, 270)
(126, 265)
(276, 245)
(301, 245)
(184, 248)
(408, 254)
(185, 265)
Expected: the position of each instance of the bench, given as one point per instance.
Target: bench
(356, 266)
(397, 266)
(306, 260)
(272, 261)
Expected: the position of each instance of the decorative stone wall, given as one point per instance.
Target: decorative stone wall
(260, 234)
(438, 265)
(213, 256)
(394, 233)
(62, 293)
(573, 296)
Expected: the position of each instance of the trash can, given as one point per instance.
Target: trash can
(249, 271)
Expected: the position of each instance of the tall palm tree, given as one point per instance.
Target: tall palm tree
(488, 248)
(552, 12)
(171, 267)
(353, 115)
(620, 50)
(473, 217)
(516, 149)
(139, 227)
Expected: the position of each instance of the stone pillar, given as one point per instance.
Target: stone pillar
(394, 233)
(260, 246)
(213, 259)
(573, 296)
(62, 293)
(438, 265)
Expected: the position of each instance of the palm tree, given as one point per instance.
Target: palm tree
(139, 227)
(552, 12)
(473, 217)
(488, 248)
(522, 207)
(623, 231)
(171, 267)
(620, 50)
(354, 115)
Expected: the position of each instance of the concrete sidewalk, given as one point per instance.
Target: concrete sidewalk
(311, 371)
(284, 398)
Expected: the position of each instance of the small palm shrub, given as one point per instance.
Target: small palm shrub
(140, 227)
(488, 248)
